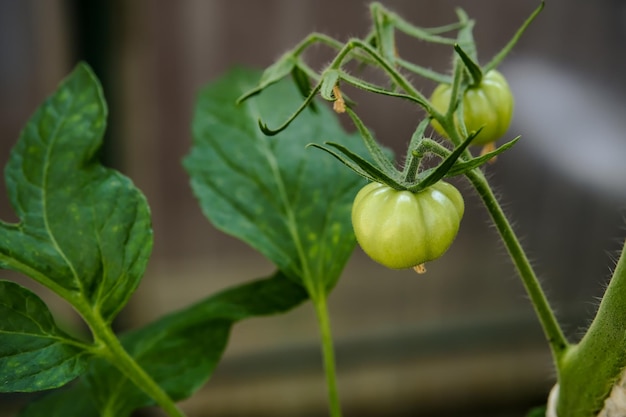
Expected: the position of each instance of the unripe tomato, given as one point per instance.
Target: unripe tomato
(490, 104)
(401, 229)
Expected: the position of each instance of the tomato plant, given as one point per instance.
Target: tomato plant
(401, 229)
(487, 105)
(84, 230)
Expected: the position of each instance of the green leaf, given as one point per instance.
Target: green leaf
(34, 353)
(461, 167)
(84, 229)
(179, 351)
(472, 67)
(290, 204)
(382, 159)
(344, 160)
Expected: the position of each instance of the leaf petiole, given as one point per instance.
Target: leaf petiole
(114, 352)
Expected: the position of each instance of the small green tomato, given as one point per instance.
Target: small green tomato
(401, 229)
(488, 105)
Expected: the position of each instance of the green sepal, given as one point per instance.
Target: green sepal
(364, 167)
(347, 162)
(430, 177)
(461, 167)
(35, 354)
(372, 146)
(472, 66)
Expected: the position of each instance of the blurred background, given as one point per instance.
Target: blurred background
(461, 340)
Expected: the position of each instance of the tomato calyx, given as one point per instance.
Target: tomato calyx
(474, 70)
(380, 168)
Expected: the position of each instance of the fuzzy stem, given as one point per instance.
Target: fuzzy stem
(556, 339)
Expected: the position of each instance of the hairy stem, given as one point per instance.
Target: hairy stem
(556, 339)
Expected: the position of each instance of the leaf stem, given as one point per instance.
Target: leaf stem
(556, 339)
(321, 310)
(115, 353)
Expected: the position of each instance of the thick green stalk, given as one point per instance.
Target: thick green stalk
(554, 334)
(590, 369)
(321, 310)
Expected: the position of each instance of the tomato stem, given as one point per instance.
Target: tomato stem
(321, 310)
(553, 332)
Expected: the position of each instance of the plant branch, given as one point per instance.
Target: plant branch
(115, 353)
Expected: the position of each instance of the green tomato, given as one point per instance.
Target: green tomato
(401, 229)
(490, 105)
